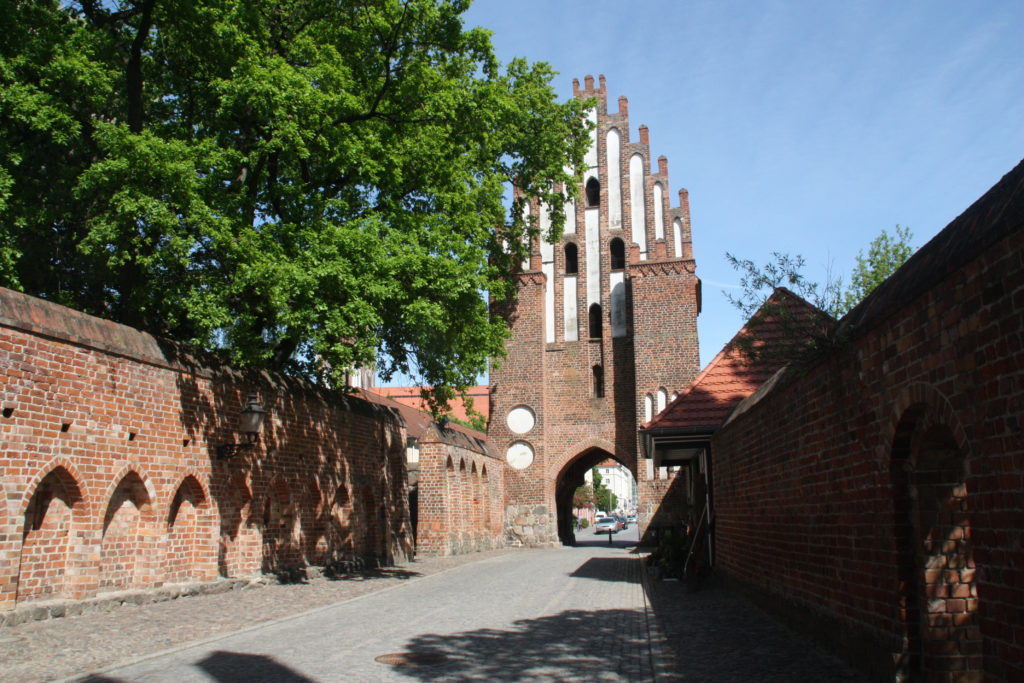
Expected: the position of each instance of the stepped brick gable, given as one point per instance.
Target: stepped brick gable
(604, 320)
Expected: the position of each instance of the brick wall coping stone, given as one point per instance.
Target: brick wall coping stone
(47, 319)
(471, 441)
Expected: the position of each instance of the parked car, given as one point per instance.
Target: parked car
(631, 519)
(606, 524)
(623, 521)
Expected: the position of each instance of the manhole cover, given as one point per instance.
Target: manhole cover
(411, 658)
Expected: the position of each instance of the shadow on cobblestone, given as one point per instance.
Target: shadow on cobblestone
(607, 569)
(367, 574)
(237, 667)
(716, 635)
(593, 645)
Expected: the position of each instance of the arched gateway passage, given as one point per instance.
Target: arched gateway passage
(569, 479)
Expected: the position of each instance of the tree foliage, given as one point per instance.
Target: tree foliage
(308, 186)
(885, 254)
(583, 496)
(757, 283)
(603, 497)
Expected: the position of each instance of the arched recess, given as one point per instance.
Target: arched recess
(339, 534)
(239, 529)
(313, 513)
(938, 597)
(54, 522)
(593, 193)
(477, 493)
(277, 522)
(129, 539)
(594, 327)
(187, 558)
(617, 253)
(570, 477)
(572, 259)
(485, 485)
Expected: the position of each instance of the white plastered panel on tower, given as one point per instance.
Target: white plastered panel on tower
(638, 212)
(614, 188)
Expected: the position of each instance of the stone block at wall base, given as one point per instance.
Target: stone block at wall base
(106, 602)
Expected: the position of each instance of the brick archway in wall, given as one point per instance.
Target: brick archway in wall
(938, 603)
(571, 477)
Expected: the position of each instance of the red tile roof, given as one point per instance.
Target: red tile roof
(411, 396)
(731, 376)
(416, 421)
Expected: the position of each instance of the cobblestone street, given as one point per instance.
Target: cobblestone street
(562, 614)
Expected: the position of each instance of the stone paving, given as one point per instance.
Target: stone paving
(563, 614)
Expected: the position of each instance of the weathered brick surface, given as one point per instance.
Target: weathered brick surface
(875, 496)
(460, 495)
(576, 428)
(110, 475)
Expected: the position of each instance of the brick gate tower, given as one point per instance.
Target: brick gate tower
(603, 331)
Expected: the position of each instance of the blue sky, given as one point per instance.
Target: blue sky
(797, 126)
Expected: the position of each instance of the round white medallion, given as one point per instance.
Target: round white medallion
(520, 455)
(520, 419)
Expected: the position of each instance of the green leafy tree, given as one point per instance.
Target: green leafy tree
(603, 497)
(756, 302)
(885, 254)
(307, 186)
(757, 283)
(583, 496)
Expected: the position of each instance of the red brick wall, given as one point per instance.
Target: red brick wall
(110, 476)
(460, 495)
(877, 496)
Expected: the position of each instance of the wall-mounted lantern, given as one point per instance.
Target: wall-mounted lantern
(250, 425)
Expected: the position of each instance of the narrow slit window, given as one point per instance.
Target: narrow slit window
(598, 381)
(595, 321)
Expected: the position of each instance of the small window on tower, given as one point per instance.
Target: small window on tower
(598, 381)
(572, 262)
(593, 193)
(595, 321)
(618, 249)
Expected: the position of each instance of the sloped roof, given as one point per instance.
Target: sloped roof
(704, 405)
(418, 422)
(411, 396)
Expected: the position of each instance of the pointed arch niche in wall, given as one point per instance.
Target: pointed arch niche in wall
(186, 541)
(127, 534)
(54, 512)
(935, 563)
